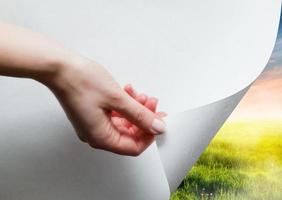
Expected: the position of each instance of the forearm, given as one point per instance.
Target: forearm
(24, 53)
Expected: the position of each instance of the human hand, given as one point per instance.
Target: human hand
(103, 114)
(86, 91)
(126, 127)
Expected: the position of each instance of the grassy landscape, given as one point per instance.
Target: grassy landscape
(243, 162)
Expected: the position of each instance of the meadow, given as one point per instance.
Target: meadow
(243, 162)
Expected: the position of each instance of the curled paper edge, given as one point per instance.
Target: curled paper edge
(199, 126)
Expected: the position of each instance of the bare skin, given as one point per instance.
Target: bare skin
(103, 114)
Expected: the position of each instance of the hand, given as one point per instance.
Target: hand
(126, 127)
(86, 91)
(103, 114)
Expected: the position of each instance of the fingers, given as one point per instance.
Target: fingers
(130, 147)
(120, 141)
(161, 114)
(130, 91)
(142, 117)
(141, 98)
(139, 115)
(151, 104)
(138, 111)
(119, 122)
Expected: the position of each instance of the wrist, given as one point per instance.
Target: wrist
(63, 72)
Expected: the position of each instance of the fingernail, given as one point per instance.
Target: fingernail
(158, 126)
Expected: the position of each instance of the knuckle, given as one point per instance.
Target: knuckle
(116, 99)
(140, 116)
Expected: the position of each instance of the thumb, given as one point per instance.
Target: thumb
(139, 115)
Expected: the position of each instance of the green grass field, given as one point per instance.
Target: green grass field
(244, 161)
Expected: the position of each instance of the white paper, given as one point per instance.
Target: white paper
(187, 53)
(190, 132)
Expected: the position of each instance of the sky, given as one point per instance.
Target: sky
(263, 101)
